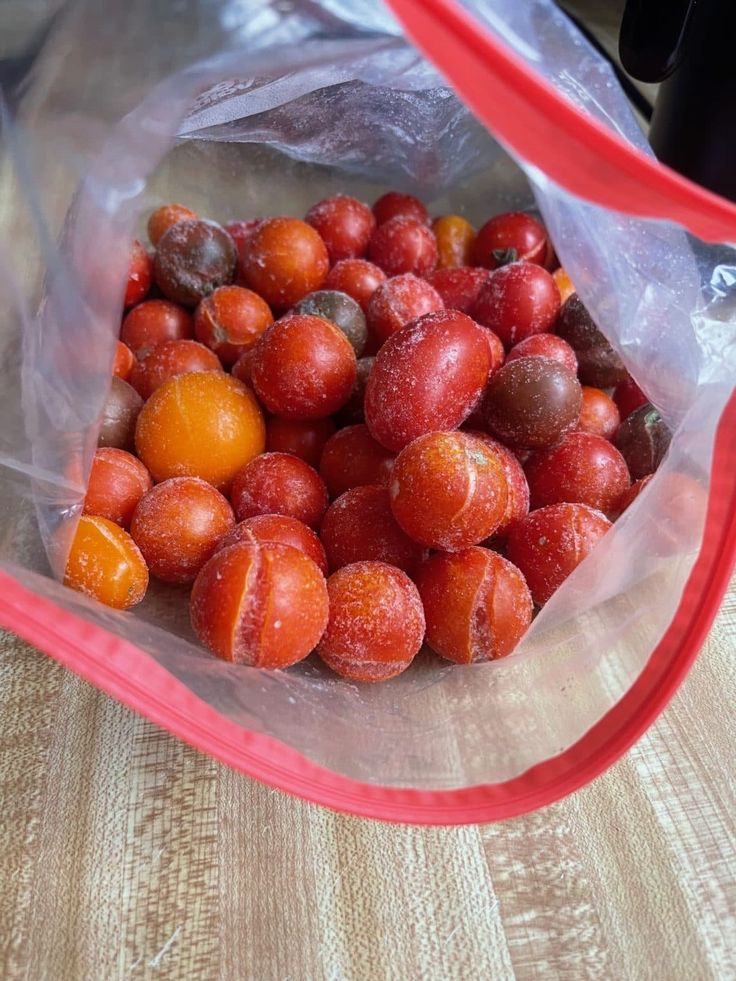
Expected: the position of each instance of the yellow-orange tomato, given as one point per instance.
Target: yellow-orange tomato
(105, 563)
(202, 424)
(455, 236)
(564, 284)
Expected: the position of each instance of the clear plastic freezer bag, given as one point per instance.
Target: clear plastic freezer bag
(241, 109)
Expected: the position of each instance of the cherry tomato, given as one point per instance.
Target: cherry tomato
(580, 469)
(477, 604)
(455, 237)
(105, 563)
(628, 396)
(376, 622)
(117, 482)
(548, 544)
(599, 414)
(140, 275)
(303, 368)
(398, 205)
(345, 225)
(169, 359)
(517, 301)
(153, 322)
(426, 377)
(230, 320)
(403, 245)
(545, 346)
(459, 286)
(356, 277)
(123, 362)
(510, 237)
(261, 604)
(448, 490)
(283, 260)
(397, 302)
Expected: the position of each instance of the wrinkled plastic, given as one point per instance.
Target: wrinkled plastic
(245, 108)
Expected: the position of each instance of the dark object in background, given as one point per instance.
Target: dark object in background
(688, 46)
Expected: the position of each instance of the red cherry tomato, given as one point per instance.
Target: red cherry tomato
(459, 286)
(510, 237)
(345, 224)
(517, 301)
(140, 275)
(403, 245)
(580, 469)
(628, 397)
(398, 205)
(548, 544)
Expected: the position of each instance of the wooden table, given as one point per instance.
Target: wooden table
(128, 855)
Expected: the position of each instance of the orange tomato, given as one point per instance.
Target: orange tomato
(105, 563)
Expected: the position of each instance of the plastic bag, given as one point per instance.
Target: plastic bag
(241, 109)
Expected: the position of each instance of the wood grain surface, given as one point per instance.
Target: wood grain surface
(126, 854)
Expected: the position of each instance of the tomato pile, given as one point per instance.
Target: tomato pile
(356, 433)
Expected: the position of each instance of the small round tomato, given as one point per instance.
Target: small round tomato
(517, 301)
(202, 424)
(628, 396)
(397, 302)
(153, 322)
(510, 237)
(360, 526)
(580, 469)
(163, 218)
(303, 368)
(105, 563)
(345, 224)
(632, 493)
(140, 275)
(230, 320)
(169, 359)
(261, 604)
(477, 604)
(342, 311)
(531, 402)
(517, 500)
(352, 458)
(283, 260)
(117, 482)
(279, 483)
(403, 245)
(455, 237)
(459, 286)
(643, 438)
(545, 346)
(548, 544)
(240, 232)
(448, 490)
(303, 438)
(376, 622)
(177, 526)
(598, 364)
(280, 528)
(398, 205)
(193, 258)
(599, 414)
(356, 277)
(426, 377)
(123, 362)
(119, 415)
